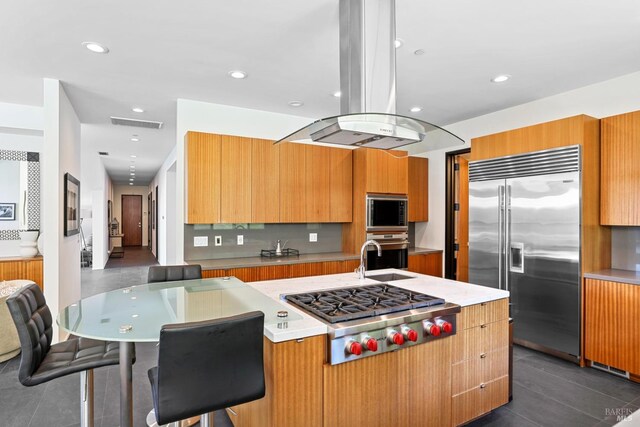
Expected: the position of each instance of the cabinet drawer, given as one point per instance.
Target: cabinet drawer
(471, 343)
(486, 312)
(479, 400)
(484, 368)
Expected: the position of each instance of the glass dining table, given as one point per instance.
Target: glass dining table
(137, 313)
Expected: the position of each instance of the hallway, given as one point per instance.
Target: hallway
(134, 256)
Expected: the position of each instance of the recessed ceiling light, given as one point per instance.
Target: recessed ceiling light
(95, 47)
(130, 179)
(133, 156)
(134, 139)
(419, 52)
(137, 110)
(237, 74)
(501, 78)
(131, 183)
(132, 174)
(337, 94)
(416, 109)
(398, 43)
(296, 103)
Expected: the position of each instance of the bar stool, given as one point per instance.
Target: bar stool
(207, 366)
(42, 362)
(171, 273)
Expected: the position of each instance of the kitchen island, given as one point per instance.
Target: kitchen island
(442, 382)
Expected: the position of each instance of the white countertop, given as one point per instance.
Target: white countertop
(460, 293)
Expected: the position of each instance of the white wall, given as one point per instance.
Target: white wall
(118, 192)
(220, 119)
(611, 97)
(99, 199)
(160, 180)
(61, 155)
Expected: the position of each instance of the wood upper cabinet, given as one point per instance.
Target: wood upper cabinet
(265, 181)
(620, 173)
(235, 179)
(418, 189)
(202, 183)
(293, 182)
(318, 183)
(386, 171)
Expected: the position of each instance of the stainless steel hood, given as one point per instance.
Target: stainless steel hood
(368, 87)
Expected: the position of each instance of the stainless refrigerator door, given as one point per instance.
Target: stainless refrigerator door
(486, 232)
(543, 260)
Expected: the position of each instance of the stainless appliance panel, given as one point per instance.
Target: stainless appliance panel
(543, 259)
(387, 212)
(485, 232)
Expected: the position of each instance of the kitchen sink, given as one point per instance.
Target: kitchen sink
(389, 277)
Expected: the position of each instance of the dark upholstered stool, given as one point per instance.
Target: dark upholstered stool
(41, 362)
(172, 273)
(207, 366)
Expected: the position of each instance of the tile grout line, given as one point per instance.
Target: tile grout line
(44, 392)
(557, 401)
(522, 416)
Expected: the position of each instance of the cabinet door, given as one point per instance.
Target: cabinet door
(341, 184)
(202, 157)
(318, 180)
(620, 149)
(418, 189)
(265, 181)
(430, 264)
(293, 183)
(386, 171)
(235, 179)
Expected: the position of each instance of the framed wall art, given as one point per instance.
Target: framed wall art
(7, 211)
(71, 205)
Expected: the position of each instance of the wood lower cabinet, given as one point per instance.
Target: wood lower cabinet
(274, 272)
(620, 156)
(418, 189)
(430, 263)
(23, 269)
(612, 324)
(480, 361)
(293, 380)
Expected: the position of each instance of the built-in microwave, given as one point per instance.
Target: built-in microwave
(386, 212)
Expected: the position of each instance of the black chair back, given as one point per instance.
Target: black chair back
(210, 365)
(33, 321)
(172, 273)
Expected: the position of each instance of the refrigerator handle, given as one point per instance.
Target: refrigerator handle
(501, 248)
(507, 233)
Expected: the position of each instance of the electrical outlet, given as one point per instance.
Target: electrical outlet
(313, 237)
(240, 239)
(200, 241)
(218, 240)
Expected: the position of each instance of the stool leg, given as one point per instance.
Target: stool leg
(86, 398)
(206, 420)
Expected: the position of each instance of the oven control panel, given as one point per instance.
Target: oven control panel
(391, 338)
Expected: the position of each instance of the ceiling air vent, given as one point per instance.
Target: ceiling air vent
(122, 121)
(103, 153)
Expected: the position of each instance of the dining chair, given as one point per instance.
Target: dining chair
(206, 366)
(171, 273)
(42, 361)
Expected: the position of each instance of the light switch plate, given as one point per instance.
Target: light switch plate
(218, 240)
(200, 241)
(313, 237)
(240, 239)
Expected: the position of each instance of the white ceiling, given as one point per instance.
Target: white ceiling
(162, 50)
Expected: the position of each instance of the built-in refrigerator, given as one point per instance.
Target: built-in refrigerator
(524, 237)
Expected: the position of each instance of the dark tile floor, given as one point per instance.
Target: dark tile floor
(134, 256)
(547, 391)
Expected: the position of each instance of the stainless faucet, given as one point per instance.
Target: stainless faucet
(361, 268)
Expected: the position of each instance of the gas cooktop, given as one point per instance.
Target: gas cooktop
(344, 304)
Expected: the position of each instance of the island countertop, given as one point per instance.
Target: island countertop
(463, 294)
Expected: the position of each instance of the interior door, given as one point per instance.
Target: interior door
(462, 226)
(485, 232)
(131, 220)
(543, 259)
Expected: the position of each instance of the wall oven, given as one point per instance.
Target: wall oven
(386, 212)
(395, 251)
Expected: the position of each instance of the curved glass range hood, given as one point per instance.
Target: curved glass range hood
(374, 130)
(368, 87)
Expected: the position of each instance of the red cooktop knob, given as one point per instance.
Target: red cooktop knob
(432, 329)
(397, 338)
(446, 327)
(412, 335)
(354, 348)
(371, 344)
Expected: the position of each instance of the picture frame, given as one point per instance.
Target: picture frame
(7, 211)
(71, 205)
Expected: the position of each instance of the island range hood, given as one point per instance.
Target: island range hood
(368, 87)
